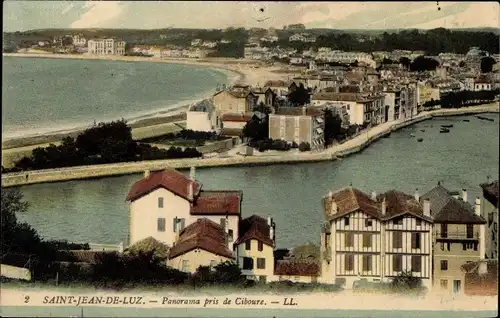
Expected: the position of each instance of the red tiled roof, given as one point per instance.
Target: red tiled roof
(254, 228)
(170, 179)
(278, 83)
(217, 203)
(298, 111)
(203, 234)
(491, 191)
(349, 200)
(294, 268)
(232, 132)
(344, 97)
(399, 203)
(236, 117)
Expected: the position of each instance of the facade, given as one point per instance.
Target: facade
(481, 278)
(234, 101)
(202, 243)
(298, 124)
(281, 88)
(459, 237)
(165, 202)
(489, 211)
(255, 248)
(202, 117)
(106, 47)
(79, 40)
(264, 95)
(375, 237)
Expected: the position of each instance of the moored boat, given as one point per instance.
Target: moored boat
(447, 126)
(444, 130)
(422, 130)
(466, 120)
(420, 139)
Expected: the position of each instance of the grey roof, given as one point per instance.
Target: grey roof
(446, 209)
(202, 106)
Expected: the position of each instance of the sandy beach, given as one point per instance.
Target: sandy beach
(238, 70)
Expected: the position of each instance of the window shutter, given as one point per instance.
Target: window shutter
(367, 240)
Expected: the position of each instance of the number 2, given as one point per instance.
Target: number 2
(26, 299)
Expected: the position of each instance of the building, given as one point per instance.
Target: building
(481, 278)
(302, 37)
(202, 243)
(203, 117)
(375, 237)
(264, 95)
(482, 83)
(106, 47)
(255, 248)
(297, 272)
(489, 211)
(165, 202)
(298, 124)
(459, 236)
(281, 88)
(234, 101)
(233, 123)
(79, 40)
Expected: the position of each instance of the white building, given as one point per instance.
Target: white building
(302, 37)
(375, 237)
(489, 211)
(79, 40)
(163, 203)
(106, 47)
(203, 117)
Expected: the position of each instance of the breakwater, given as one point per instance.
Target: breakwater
(354, 145)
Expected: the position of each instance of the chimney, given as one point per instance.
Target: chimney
(269, 221)
(192, 173)
(333, 208)
(330, 195)
(147, 173)
(374, 196)
(477, 207)
(464, 195)
(427, 208)
(304, 111)
(417, 196)
(190, 190)
(482, 268)
(384, 207)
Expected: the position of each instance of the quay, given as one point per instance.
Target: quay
(354, 145)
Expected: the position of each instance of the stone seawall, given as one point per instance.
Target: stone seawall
(97, 171)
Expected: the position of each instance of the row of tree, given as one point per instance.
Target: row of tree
(467, 98)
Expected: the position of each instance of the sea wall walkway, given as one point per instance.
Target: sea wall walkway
(352, 146)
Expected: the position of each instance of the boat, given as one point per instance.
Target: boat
(412, 135)
(422, 130)
(466, 120)
(447, 126)
(444, 130)
(485, 118)
(420, 139)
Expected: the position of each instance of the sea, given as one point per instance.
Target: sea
(41, 95)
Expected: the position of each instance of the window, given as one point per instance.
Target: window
(470, 231)
(444, 284)
(367, 262)
(349, 239)
(367, 240)
(368, 222)
(397, 221)
(415, 240)
(397, 240)
(247, 263)
(160, 202)
(161, 225)
(213, 263)
(397, 263)
(175, 220)
(416, 263)
(444, 265)
(248, 245)
(182, 224)
(346, 221)
(444, 230)
(230, 235)
(418, 222)
(185, 266)
(349, 262)
(261, 263)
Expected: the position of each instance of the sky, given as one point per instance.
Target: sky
(29, 15)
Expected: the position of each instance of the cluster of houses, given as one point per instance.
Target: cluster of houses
(439, 236)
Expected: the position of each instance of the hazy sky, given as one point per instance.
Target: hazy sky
(26, 15)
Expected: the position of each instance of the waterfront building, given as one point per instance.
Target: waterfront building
(233, 123)
(202, 243)
(165, 202)
(202, 117)
(234, 100)
(106, 47)
(459, 236)
(298, 124)
(481, 278)
(375, 237)
(264, 95)
(255, 248)
(482, 83)
(79, 40)
(489, 211)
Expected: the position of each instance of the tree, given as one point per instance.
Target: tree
(487, 64)
(461, 64)
(300, 96)
(256, 129)
(227, 273)
(333, 126)
(405, 280)
(304, 146)
(405, 61)
(423, 64)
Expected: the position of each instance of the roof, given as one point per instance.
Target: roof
(254, 228)
(447, 209)
(218, 203)
(232, 132)
(399, 203)
(202, 234)
(203, 106)
(298, 111)
(490, 192)
(278, 83)
(169, 179)
(294, 268)
(345, 97)
(237, 117)
(349, 200)
(237, 94)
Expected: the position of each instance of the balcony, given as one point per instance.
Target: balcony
(458, 235)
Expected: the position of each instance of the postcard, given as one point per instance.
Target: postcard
(250, 159)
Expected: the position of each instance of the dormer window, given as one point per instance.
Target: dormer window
(346, 221)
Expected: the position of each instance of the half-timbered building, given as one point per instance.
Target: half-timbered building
(374, 237)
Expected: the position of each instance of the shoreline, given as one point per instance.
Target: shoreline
(237, 71)
(350, 147)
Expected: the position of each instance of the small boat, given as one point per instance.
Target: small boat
(466, 120)
(422, 130)
(420, 139)
(412, 135)
(447, 126)
(485, 118)
(444, 130)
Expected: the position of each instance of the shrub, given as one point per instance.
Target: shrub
(304, 146)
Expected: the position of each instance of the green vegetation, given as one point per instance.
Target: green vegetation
(467, 98)
(299, 96)
(186, 136)
(100, 144)
(304, 146)
(270, 144)
(487, 64)
(421, 64)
